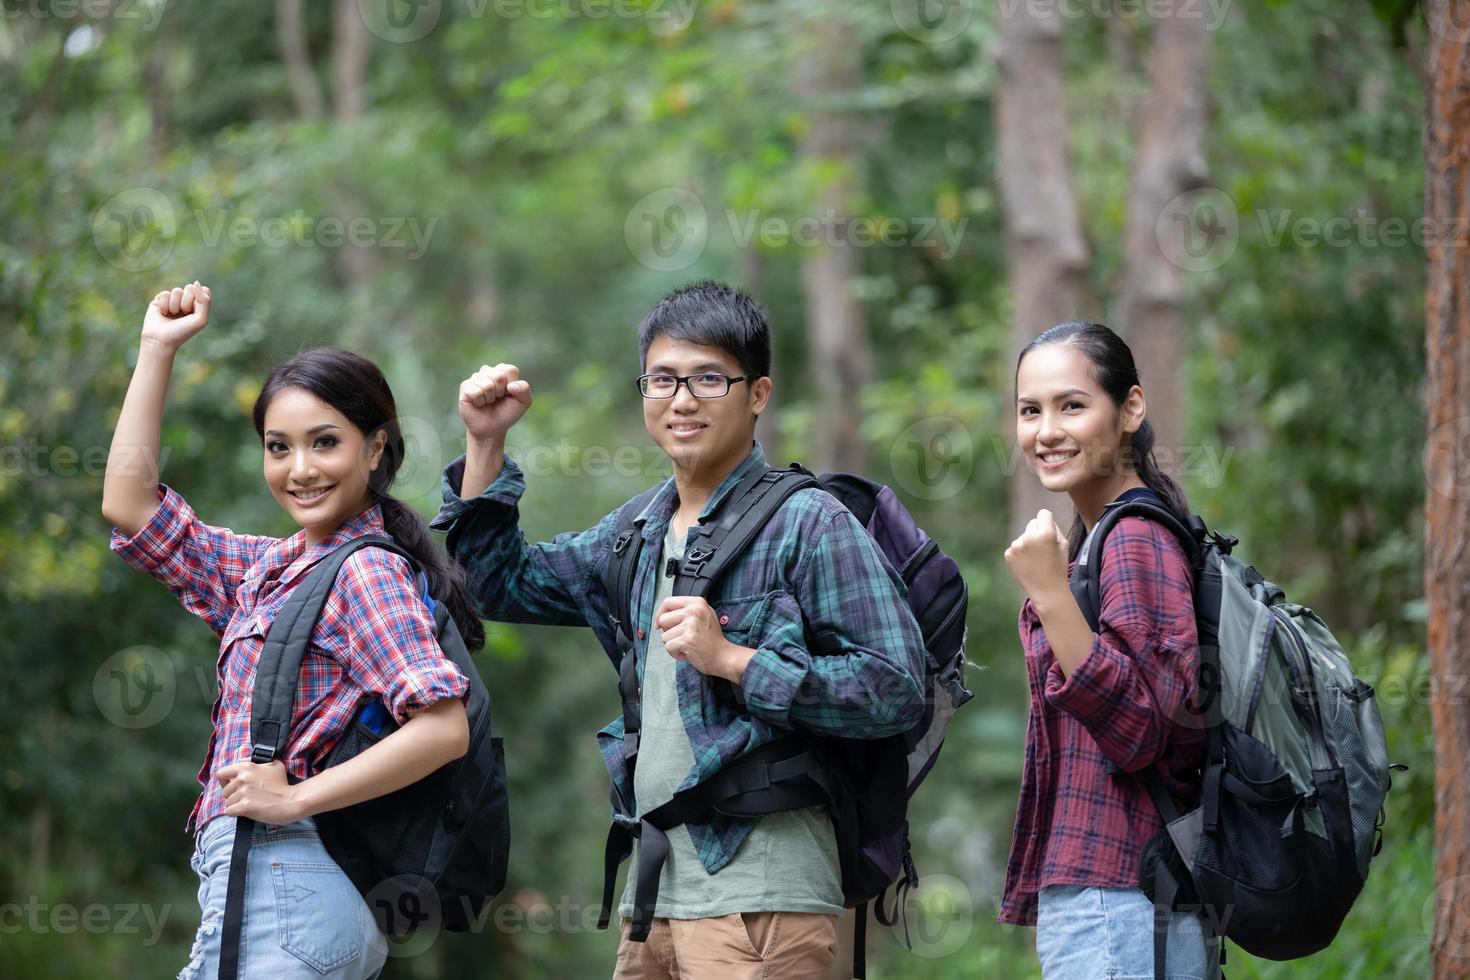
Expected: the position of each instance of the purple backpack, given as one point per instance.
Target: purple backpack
(865, 784)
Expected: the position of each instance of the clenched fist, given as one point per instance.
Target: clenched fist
(176, 315)
(492, 400)
(1038, 558)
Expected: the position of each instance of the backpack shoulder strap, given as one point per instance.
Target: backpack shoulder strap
(725, 535)
(622, 563)
(1086, 581)
(276, 676)
(279, 669)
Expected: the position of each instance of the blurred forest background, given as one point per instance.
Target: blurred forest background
(912, 187)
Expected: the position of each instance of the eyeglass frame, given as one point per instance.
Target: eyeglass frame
(730, 381)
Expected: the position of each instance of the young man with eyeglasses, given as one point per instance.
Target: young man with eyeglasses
(719, 678)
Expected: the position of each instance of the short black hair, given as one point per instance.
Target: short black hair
(711, 314)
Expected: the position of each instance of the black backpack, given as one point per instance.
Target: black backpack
(1296, 764)
(865, 784)
(435, 850)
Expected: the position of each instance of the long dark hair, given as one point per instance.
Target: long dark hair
(354, 386)
(1113, 367)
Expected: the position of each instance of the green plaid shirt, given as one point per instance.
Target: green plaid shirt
(812, 574)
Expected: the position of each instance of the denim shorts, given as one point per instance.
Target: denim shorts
(1108, 934)
(303, 917)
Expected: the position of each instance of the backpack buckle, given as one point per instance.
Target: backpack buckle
(694, 561)
(622, 542)
(261, 753)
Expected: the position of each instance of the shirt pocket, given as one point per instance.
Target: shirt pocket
(755, 620)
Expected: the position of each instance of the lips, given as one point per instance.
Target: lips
(686, 430)
(309, 497)
(1056, 458)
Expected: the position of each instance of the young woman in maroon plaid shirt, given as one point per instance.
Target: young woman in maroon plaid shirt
(331, 446)
(1105, 704)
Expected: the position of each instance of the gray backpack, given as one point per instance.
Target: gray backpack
(1296, 764)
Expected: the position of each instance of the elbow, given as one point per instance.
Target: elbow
(457, 739)
(899, 707)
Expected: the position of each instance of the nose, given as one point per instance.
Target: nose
(1048, 432)
(684, 400)
(303, 469)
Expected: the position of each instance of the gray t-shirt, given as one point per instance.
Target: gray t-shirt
(787, 864)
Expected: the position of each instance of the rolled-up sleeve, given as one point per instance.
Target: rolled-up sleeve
(1133, 688)
(201, 565)
(864, 680)
(391, 648)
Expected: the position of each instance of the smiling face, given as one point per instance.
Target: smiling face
(702, 435)
(317, 463)
(1071, 434)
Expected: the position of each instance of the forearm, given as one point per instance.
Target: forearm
(436, 735)
(130, 487)
(482, 464)
(1067, 632)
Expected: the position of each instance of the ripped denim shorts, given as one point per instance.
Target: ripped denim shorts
(303, 917)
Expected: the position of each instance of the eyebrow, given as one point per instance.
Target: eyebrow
(1064, 394)
(707, 367)
(311, 432)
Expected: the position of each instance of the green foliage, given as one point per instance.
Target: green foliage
(519, 146)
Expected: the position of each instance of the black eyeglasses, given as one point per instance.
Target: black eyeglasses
(699, 385)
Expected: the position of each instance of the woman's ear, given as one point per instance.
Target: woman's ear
(375, 449)
(1134, 410)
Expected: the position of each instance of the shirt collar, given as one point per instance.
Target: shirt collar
(660, 510)
(293, 557)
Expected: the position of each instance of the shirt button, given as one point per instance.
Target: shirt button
(724, 620)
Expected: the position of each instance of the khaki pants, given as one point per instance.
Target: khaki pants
(741, 946)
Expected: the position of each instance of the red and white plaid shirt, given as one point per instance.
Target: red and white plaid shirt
(1127, 702)
(375, 637)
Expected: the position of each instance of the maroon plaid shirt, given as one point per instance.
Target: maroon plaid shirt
(1075, 823)
(375, 637)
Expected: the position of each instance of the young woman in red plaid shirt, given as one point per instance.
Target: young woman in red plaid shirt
(1105, 704)
(331, 446)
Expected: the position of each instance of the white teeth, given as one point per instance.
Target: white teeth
(1056, 457)
(309, 494)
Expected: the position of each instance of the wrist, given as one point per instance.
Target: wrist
(148, 347)
(734, 662)
(300, 800)
(1046, 601)
(482, 449)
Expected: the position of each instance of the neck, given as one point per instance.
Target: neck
(1091, 501)
(316, 534)
(697, 483)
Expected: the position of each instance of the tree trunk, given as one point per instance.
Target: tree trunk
(296, 56)
(1170, 162)
(1047, 256)
(828, 72)
(1447, 468)
(351, 52)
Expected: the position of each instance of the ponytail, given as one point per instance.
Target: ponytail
(447, 581)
